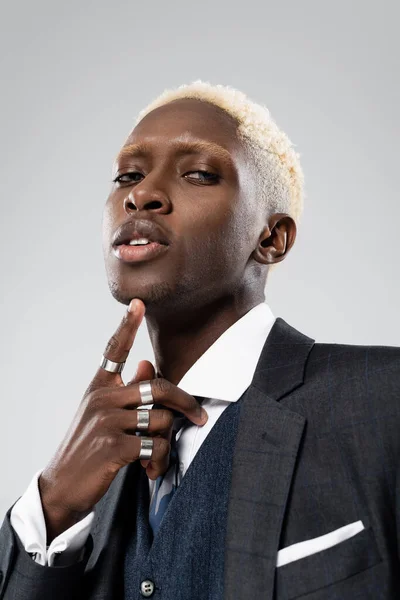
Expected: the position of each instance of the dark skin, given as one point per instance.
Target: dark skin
(222, 242)
(223, 238)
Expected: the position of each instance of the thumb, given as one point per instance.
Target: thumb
(144, 371)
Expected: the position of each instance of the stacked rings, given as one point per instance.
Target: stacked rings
(146, 397)
(146, 443)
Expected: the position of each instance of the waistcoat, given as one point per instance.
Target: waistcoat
(185, 560)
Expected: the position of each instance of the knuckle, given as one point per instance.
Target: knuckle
(165, 419)
(161, 445)
(113, 345)
(102, 419)
(109, 471)
(94, 401)
(110, 441)
(128, 448)
(162, 386)
(90, 389)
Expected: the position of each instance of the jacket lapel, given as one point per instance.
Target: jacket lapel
(266, 448)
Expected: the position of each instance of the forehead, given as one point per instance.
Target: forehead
(183, 123)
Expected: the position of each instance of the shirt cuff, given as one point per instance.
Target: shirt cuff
(28, 521)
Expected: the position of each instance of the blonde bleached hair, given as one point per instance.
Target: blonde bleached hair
(277, 170)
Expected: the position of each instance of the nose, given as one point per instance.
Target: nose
(142, 198)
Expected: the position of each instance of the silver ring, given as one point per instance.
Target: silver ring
(146, 448)
(110, 365)
(143, 418)
(145, 392)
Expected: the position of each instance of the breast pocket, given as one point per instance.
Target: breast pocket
(325, 567)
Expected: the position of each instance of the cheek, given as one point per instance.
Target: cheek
(214, 242)
(108, 222)
(238, 231)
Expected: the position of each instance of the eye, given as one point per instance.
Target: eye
(214, 176)
(127, 177)
(120, 179)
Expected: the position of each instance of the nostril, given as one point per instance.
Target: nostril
(154, 204)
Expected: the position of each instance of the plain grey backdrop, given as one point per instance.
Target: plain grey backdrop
(75, 74)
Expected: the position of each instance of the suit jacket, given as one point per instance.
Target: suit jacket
(317, 449)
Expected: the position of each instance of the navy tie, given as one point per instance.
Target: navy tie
(167, 484)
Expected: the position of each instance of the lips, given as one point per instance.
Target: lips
(138, 254)
(140, 228)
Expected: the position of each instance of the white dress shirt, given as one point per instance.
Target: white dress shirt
(221, 375)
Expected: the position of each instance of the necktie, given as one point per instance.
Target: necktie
(167, 484)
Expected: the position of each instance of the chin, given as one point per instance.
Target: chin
(156, 294)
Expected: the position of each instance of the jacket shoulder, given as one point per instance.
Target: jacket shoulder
(360, 359)
(350, 370)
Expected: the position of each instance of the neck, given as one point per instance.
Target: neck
(179, 342)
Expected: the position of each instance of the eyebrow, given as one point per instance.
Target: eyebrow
(141, 149)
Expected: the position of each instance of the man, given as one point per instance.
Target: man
(268, 466)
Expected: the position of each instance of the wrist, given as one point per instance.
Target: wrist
(57, 515)
(57, 521)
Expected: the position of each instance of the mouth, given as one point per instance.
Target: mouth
(138, 253)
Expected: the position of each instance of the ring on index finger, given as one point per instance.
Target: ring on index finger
(146, 395)
(110, 365)
(146, 448)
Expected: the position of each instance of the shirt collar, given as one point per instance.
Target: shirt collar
(227, 367)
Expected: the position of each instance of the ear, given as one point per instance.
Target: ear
(277, 238)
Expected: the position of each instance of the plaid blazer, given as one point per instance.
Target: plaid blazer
(317, 449)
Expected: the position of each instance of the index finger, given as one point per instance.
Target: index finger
(120, 344)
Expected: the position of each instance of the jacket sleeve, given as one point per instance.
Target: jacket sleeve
(28, 522)
(21, 578)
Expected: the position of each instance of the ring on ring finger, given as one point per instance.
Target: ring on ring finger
(143, 419)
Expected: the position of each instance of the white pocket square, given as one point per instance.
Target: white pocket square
(303, 549)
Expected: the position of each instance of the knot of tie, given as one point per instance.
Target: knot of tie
(180, 421)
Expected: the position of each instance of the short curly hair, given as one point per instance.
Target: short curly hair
(279, 176)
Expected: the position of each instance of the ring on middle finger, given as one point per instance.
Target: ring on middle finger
(143, 419)
(146, 395)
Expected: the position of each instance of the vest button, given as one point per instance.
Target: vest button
(147, 588)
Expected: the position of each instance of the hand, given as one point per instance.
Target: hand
(99, 441)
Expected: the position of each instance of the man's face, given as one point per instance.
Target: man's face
(212, 221)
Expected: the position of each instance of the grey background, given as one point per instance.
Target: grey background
(74, 75)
